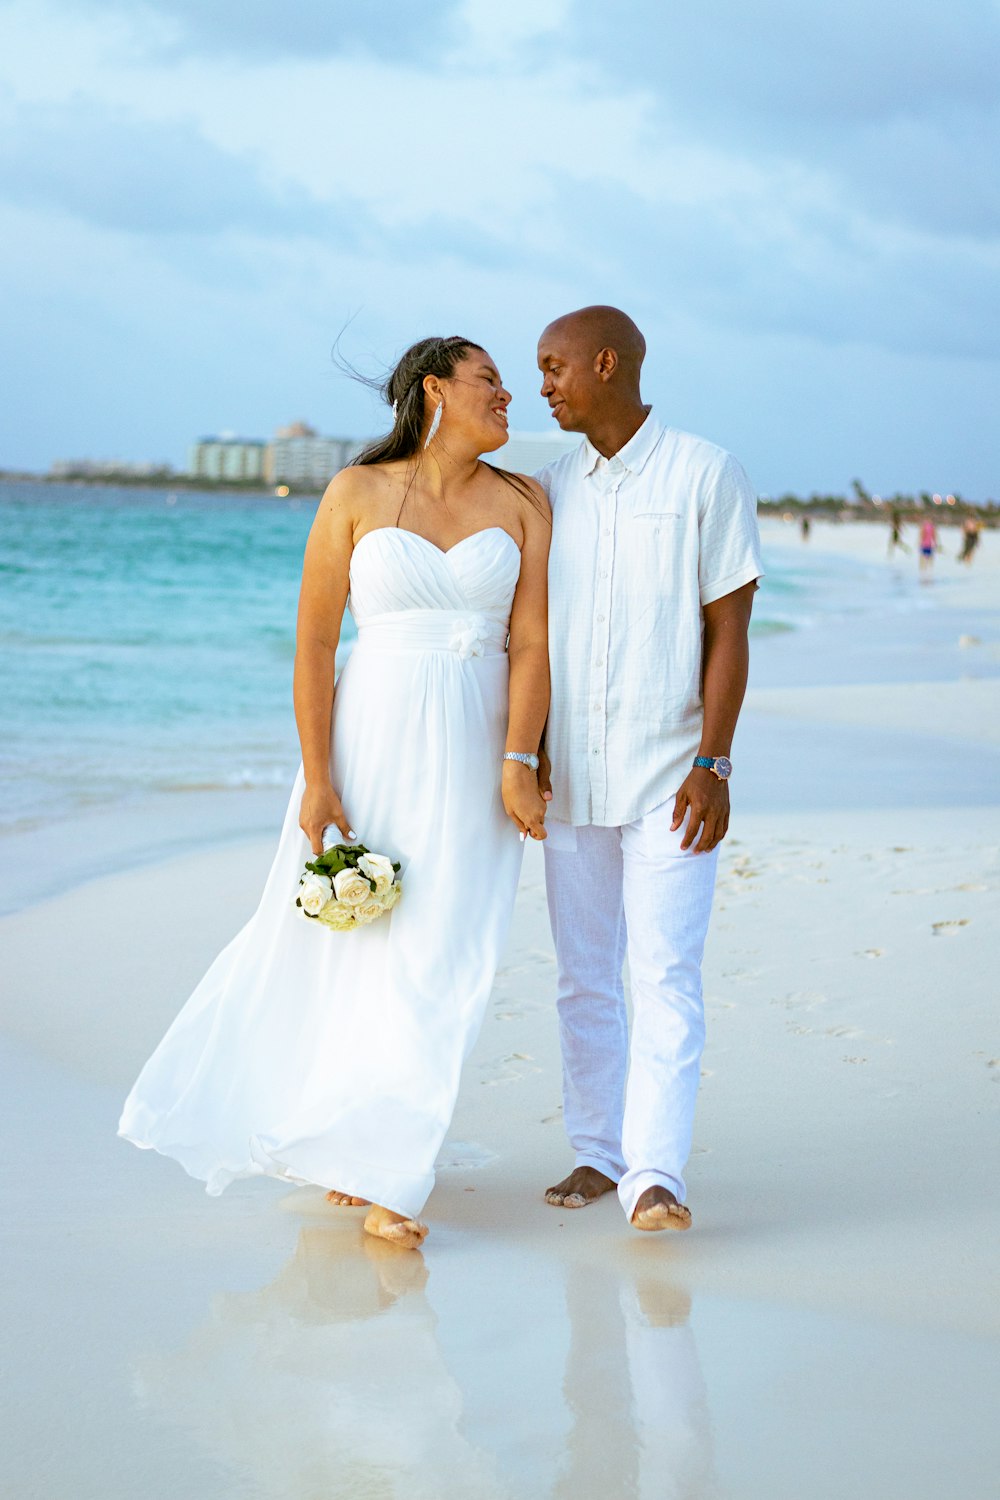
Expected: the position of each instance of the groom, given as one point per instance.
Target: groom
(652, 571)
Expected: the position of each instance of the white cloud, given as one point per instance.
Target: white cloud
(726, 176)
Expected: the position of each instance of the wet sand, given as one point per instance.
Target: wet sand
(829, 1327)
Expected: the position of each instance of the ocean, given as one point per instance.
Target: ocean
(147, 640)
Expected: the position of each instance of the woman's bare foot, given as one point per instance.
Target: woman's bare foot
(344, 1200)
(408, 1234)
(583, 1185)
(657, 1208)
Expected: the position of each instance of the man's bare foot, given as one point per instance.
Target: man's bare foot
(344, 1200)
(408, 1234)
(583, 1185)
(657, 1208)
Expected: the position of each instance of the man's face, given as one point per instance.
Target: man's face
(570, 380)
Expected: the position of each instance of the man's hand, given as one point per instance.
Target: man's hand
(545, 775)
(705, 799)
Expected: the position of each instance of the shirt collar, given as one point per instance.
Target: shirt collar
(636, 452)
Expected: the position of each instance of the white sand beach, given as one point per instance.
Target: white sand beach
(829, 1328)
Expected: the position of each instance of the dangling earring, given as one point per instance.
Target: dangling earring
(435, 423)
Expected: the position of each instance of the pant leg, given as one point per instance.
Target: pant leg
(584, 890)
(668, 902)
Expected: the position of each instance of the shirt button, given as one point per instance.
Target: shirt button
(604, 572)
(600, 619)
(595, 752)
(607, 531)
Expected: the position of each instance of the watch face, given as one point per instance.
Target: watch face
(723, 767)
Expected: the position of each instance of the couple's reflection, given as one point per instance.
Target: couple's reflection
(503, 1371)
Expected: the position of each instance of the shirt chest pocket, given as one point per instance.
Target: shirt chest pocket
(656, 522)
(653, 547)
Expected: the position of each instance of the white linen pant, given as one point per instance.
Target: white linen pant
(609, 888)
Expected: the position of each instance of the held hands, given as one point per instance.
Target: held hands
(705, 799)
(545, 775)
(522, 800)
(320, 807)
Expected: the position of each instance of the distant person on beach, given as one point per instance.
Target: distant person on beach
(928, 544)
(805, 526)
(333, 1058)
(896, 533)
(970, 539)
(654, 561)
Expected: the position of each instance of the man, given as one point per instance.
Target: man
(653, 566)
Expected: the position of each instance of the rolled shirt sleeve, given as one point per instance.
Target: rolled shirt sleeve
(728, 534)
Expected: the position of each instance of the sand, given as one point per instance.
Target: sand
(828, 1328)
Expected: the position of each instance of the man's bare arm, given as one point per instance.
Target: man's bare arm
(725, 665)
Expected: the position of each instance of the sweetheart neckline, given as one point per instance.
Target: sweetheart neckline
(441, 551)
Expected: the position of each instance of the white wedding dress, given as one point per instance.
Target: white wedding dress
(334, 1058)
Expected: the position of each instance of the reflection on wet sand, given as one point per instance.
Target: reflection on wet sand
(360, 1372)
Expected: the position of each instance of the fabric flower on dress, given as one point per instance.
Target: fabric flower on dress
(468, 638)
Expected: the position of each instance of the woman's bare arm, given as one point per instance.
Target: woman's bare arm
(529, 666)
(322, 600)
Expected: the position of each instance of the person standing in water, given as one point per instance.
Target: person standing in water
(928, 544)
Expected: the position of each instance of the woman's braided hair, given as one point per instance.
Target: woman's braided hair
(404, 392)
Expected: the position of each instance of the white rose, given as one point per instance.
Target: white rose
(314, 892)
(369, 910)
(351, 888)
(338, 918)
(390, 896)
(378, 868)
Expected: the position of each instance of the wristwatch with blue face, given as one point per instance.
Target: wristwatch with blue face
(720, 764)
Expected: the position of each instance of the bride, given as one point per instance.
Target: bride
(334, 1058)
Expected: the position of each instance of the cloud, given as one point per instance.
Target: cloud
(260, 29)
(108, 167)
(231, 182)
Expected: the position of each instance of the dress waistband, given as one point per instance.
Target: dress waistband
(466, 632)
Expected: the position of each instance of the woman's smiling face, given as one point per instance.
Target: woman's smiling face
(476, 402)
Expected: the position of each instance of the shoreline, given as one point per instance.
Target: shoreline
(823, 672)
(842, 1256)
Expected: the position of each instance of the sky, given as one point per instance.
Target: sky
(799, 205)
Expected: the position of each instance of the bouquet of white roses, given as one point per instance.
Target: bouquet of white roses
(348, 886)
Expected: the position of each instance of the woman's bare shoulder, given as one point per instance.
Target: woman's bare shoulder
(355, 492)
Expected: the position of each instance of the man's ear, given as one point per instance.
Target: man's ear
(605, 364)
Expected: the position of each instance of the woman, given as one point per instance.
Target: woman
(334, 1058)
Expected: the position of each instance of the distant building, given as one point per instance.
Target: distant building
(524, 452)
(107, 468)
(300, 456)
(228, 457)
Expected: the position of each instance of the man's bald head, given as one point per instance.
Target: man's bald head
(592, 329)
(590, 362)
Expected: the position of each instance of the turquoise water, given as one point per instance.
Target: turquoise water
(146, 642)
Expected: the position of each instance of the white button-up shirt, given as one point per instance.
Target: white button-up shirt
(640, 542)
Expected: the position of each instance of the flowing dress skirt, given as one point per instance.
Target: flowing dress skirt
(334, 1058)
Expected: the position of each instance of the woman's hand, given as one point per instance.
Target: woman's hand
(320, 807)
(523, 802)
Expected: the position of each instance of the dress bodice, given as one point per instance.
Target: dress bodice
(394, 570)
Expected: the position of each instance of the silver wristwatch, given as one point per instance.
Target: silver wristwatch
(525, 757)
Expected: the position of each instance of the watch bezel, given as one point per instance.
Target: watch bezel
(726, 765)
